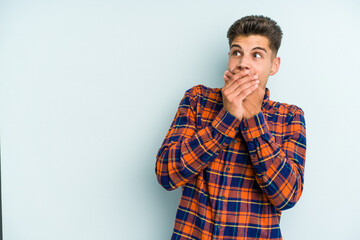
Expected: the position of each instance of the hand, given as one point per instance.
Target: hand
(238, 86)
(253, 102)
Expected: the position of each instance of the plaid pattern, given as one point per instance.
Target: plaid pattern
(237, 176)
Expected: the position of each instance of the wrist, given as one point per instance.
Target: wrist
(248, 115)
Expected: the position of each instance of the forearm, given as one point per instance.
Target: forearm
(279, 167)
(183, 156)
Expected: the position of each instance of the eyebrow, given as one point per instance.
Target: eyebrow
(255, 48)
(260, 48)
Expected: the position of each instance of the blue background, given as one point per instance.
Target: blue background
(88, 90)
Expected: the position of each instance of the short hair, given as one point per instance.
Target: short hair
(257, 25)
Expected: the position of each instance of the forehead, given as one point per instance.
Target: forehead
(251, 41)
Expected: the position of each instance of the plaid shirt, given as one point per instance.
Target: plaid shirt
(237, 176)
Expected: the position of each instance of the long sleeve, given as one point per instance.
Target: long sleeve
(187, 150)
(279, 167)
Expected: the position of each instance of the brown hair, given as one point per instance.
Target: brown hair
(257, 25)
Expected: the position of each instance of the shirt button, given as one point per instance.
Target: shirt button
(236, 129)
(222, 197)
(245, 128)
(227, 169)
(235, 141)
(219, 226)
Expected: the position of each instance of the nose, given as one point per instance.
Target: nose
(243, 63)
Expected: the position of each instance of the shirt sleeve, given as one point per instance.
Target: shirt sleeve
(186, 150)
(279, 168)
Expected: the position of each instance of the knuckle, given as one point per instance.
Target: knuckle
(247, 91)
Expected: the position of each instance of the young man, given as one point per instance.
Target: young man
(238, 155)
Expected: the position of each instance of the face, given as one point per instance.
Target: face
(253, 53)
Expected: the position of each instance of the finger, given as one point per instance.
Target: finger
(232, 82)
(241, 88)
(226, 77)
(228, 73)
(245, 86)
(239, 74)
(233, 86)
(246, 92)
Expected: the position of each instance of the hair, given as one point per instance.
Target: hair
(257, 25)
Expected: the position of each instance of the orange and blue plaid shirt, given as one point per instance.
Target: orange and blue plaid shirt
(236, 176)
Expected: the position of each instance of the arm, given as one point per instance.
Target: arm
(279, 168)
(186, 150)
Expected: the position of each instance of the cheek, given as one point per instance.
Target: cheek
(263, 76)
(231, 63)
(263, 72)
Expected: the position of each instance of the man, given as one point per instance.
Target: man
(238, 156)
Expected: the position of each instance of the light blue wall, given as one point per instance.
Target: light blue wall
(89, 89)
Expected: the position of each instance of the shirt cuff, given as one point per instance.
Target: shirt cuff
(254, 127)
(255, 132)
(226, 124)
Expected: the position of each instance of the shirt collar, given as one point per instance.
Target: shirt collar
(266, 96)
(265, 103)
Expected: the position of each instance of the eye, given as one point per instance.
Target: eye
(257, 55)
(236, 53)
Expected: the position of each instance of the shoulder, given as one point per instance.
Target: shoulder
(285, 107)
(287, 112)
(201, 91)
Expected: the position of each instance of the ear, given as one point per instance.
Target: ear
(275, 66)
